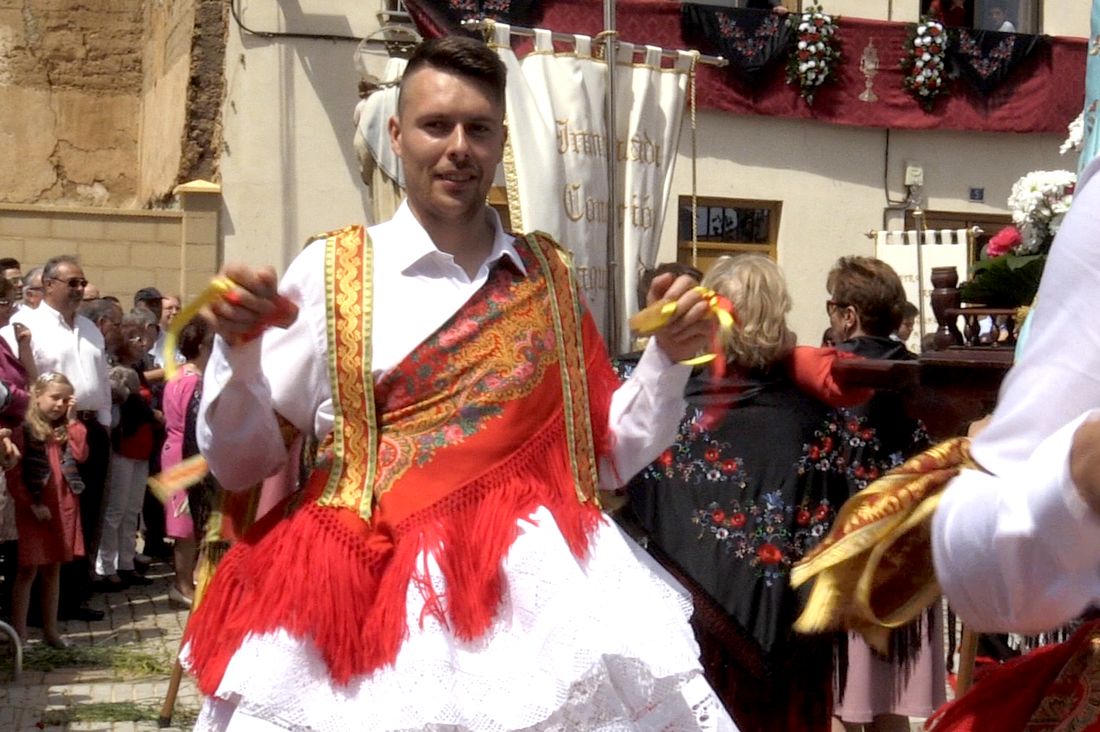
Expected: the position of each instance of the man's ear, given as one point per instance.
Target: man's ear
(395, 135)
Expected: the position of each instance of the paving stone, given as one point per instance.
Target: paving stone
(138, 620)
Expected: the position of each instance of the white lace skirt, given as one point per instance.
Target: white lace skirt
(598, 645)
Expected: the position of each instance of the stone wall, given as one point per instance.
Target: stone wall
(121, 251)
(70, 85)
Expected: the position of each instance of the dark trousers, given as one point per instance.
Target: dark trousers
(76, 576)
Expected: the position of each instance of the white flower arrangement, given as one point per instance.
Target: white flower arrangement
(925, 62)
(1076, 135)
(816, 51)
(1039, 201)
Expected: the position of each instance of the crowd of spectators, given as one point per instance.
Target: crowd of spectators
(82, 427)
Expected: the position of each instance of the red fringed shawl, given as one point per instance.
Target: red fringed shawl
(502, 411)
(1055, 688)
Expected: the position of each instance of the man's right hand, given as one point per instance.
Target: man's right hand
(40, 511)
(243, 311)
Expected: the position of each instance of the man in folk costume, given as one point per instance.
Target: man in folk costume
(447, 565)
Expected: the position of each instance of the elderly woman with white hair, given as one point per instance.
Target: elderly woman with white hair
(738, 499)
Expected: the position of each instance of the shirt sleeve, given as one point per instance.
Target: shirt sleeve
(285, 370)
(1019, 552)
(645, 414)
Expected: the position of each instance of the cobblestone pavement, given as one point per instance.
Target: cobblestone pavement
(119, 668)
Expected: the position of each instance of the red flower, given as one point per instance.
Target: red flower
(666, 458)
(719, 515)
(815, 453)
(827, 444)
(819, 22)
(728, 466)
(852, 425)
(1003, 242)
(803, 517)
(934, 30)
(737, 520)
(867, 434)
(821, 513)
(803, 55)
(711, 454)
(859, 471)
(934, 49)
(769, 554)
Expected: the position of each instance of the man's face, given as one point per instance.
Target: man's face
(14, 276)
(169, 307)
(111, 322)
(65, 289)
(33, 291)
(906, 329)
(449, 133)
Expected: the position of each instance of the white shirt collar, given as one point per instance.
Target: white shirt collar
(418, 247)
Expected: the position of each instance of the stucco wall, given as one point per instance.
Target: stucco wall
(70, 83)
(289, 168)
(831, 182)
(288, 164)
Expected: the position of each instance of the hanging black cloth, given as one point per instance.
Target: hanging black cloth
(986, 58)
(751, 40)
(441, 17)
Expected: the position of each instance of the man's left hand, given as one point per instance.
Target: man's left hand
(688, 332)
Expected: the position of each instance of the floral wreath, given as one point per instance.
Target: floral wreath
(924, 62)
(815, 52)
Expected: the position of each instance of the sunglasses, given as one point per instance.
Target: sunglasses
(74, 282)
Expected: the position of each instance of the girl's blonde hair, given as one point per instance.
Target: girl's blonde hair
(758, 291)
(37, 424)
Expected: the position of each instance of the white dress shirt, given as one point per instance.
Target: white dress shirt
(76, 351)
(417, 288)
(1017, 549)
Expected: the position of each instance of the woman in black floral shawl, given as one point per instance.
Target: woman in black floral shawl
(866, 302)
(739, 498)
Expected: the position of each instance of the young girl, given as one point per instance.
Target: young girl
(45, 489)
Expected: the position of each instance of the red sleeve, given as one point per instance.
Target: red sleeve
(811, 368)
(78, 441)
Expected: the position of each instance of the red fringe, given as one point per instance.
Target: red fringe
(1006, 697)
(326, 575)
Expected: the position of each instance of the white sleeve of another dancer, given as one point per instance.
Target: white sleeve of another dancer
(645, 414)
(1019, 552)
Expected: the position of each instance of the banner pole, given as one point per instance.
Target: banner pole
(614, 245)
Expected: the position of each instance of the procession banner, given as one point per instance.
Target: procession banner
(557, 154)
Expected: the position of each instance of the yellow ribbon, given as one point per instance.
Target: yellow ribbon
(656, 316)
(218, 288)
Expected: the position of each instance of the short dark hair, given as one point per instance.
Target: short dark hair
(49, 269)
(9, 263)
(148, 294)
(909, 310)
(460, 55)
(873, 288)
(98, 309)
(193, 336)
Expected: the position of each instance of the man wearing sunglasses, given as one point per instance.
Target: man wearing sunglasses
(69, 343)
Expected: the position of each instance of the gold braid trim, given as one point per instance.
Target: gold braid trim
(873, 571)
